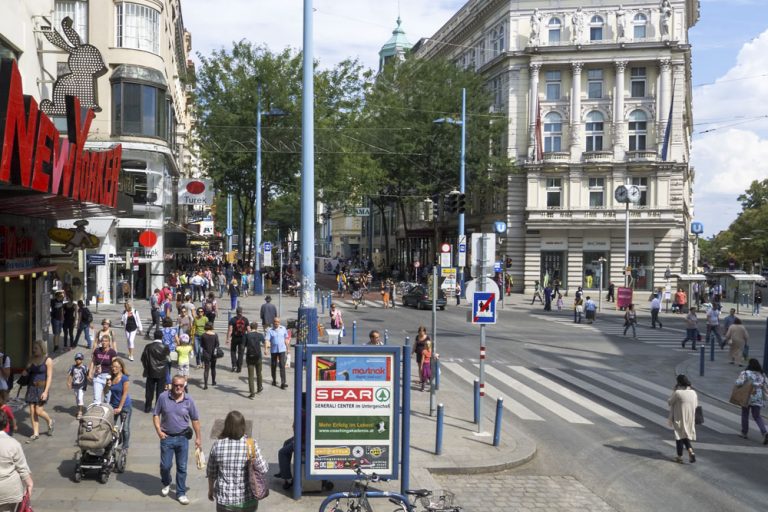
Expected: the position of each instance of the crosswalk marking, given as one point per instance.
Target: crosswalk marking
(511, 404)
(640, 395)
(543, 400)
(576, 398)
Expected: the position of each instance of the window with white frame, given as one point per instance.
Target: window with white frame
(77, 11)
(554, 27)
(138, 27)
(596, 192)
(596, 28)
(595, 83)
(553, 84)
(594, 129)
(642, 184)
(498, 39)
(553, 132)
(638, 129)
(638, 77)
(495, 86)
(640, 26)
(554, 192)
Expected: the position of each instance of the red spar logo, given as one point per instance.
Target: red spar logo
(344, 394)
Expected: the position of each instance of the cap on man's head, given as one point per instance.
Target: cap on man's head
(79, 355)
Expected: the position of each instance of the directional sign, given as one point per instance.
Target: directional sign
(267, 254)
(96, 259)
(484, 308)
(462, 251)
(497, 266)
(267, 247)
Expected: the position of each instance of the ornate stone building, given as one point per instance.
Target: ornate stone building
(597, 95)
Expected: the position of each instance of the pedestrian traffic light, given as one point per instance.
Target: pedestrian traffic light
(429, 212)
(461, 203)
(450, 203)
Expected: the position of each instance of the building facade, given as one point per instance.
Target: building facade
(597, 95)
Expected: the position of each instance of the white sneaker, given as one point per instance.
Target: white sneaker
(130, 358)
(165, 490)
(184, 500)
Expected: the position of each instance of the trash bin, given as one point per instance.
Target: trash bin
(334, 336)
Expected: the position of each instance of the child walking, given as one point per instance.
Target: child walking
(559, 302)
(184, 349)
(76, 381)
(425, 369)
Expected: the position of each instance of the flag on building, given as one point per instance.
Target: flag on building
(538, 135)
(668, 129)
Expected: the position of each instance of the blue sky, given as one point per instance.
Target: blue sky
(730, 49)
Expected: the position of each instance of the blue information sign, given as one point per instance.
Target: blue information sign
(697, 228)
(96, 259)
(267, 246)
(484, 308)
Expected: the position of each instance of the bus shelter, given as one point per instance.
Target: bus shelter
(686, 281)
(746, 283)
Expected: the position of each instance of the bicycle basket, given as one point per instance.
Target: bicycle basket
(438, 500)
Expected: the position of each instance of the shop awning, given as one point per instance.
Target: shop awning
(690, 277)
(747, 277)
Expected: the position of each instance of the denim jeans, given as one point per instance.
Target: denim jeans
(99, 382)
(284, 456)
(277, 359)
(198, 349)
(84, 329)
(178, 446)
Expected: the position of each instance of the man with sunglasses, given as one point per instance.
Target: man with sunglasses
(174, 412)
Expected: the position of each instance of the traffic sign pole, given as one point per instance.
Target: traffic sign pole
(481, 288)
(432, 396)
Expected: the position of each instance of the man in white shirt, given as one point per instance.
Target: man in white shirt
(655, 307)
(713, 325)
(277, 339)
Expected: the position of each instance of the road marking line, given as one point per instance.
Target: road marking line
(658, 402)
(549, 404)
(576, 398)
(511, 404)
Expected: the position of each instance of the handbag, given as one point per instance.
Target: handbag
(698, 415)
(218, 353)
(256, 479)
(174, 356)
(740, 395)
(24, 506)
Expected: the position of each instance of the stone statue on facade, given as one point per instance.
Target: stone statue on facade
(536, 21)
(579, 22)
(665, 19)
(621, 23)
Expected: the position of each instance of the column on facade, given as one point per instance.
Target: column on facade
(665, 97)
(576, 123)
(534, 109)
(619, 123)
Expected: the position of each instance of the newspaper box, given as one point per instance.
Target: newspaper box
(334, 336)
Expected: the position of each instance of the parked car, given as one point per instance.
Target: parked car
(418, 298)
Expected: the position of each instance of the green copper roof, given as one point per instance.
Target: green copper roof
(397, 41)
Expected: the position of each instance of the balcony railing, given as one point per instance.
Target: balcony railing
(557, 156)
(593, 215)
(597, 156)
(645, 155)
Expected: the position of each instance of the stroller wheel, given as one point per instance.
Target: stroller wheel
(104, 477)
(121, 461)
(78, 474)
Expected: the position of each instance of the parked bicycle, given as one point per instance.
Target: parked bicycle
(357, 500)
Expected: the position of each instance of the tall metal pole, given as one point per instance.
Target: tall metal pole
(600, 292)
(307, 308)
(433, 366)
(258, 284)
(229, 223)
(481, 288)
(280, 272)
(462, 180)
(626, 245)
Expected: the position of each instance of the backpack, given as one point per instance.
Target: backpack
(88, 318)
(10, 377)
(130, 323)
(241, 325)
(208, 307)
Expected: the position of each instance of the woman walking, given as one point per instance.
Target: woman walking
(419, 345)
(682, 417)
(753, 375)
(227, 472)
(630, 320)
(106, 330)
(40, 373)
(132, 323)
(691, 328)
(233, 294)
(185, 321)
(209, 342)
(198, 329)
(738, 338)
(15, 477)
(120, 399)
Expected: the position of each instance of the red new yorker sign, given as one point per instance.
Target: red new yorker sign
(35, 157)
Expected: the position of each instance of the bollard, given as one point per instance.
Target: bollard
(497, 427)
(439, 433)
(354, 331)
(437, 374)
(386, 337)
(330, 299)
(765, 347)
(712, 348)
(477, 401)
(701, 360)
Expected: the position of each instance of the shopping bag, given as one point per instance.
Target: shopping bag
(740, 395)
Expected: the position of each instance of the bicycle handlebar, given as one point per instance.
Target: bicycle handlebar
(371, 494)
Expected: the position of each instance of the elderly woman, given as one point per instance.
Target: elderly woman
(227, 472)
(682, 417)
(737, 337)
(15, 477)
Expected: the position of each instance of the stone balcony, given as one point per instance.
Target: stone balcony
(646, 155)
(557, 156)
(599, 216)
(597, 156)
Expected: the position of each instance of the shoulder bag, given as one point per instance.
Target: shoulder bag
(699, 415)
(257, 479)
(740, 395)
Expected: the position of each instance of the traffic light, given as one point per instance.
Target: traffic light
(461, 203)
(429, 212)
(436, 206)
(450, 203)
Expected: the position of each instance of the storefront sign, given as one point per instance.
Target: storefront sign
(35, 157)
(596, 245)
(554, 244)
(195, 191)
(640, 245)
(353, 411)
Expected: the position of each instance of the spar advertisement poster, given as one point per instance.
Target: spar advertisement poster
(353, 410)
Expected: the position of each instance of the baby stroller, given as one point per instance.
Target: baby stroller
(101, 443)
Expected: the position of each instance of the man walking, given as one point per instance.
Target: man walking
(154, 310)
(655, 308)
(727, 322)
(154, 361)
(611, 290)
(173, 414)
(253, 344)
(277, 338)
(374, 338)
(268, 312)
(238, 326)
(85, 317)
(713, 325)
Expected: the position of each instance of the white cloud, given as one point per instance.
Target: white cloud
(735, 152)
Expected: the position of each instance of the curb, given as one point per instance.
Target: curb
(493, 468)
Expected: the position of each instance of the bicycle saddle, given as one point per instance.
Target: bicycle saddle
(420, 493)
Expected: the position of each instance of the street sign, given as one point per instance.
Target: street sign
(449, 281)
(445, 255)
(497, 266)
(483, 253)
(416, 264)
(500, 227)
(484, 308)
(228, 231)
(96, 259)
(445, 247)
(697, 228)
(267, 254)
(462, 251)
(267, 247)
(470, 287)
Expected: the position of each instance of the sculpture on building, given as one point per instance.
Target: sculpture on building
(578, 21)
(621, 23)
(85, 66)
(536, 21)
(665, 19)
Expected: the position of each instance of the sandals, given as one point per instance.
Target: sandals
(33, 437)
(51, 425)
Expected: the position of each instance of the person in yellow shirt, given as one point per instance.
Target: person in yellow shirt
(198, 329)
(184, 349)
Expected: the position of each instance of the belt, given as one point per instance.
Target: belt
(39, 384)
(178, 434)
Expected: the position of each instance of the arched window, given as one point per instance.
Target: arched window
(554, 26)
(640, 24)
(553, 132)
(638, 129)
(594, 130)
(596, 28)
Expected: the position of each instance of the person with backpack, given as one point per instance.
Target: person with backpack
(238, 327)
(85, 318)
(254, 342)
(132, 324)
